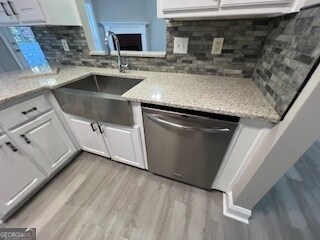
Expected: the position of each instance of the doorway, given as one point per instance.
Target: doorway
(293, 202)
(9, 61)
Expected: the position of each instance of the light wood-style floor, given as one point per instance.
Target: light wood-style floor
(291, 209)
(95, 198)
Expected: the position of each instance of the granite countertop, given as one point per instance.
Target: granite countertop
(222, 95)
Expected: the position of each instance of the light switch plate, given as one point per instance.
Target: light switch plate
(65, 45)
(217, 46)
(180, 45)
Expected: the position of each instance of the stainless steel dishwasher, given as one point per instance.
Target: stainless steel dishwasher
(186, 147)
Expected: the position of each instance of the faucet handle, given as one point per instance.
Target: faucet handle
(123, 67)
(125, 63)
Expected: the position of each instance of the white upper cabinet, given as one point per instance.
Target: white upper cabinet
(172, 9)
(6, 15)
(186, 7)
(27, 11)
(15, 12)
(253, 3)
(39, 12)
(18, 175)
(61, 12)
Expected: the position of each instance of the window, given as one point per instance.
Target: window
(130, 20)
(29, 47)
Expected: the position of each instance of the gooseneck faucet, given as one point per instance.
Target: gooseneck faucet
(121, 66)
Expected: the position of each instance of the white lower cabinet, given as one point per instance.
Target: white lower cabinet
(120, 143)
(124, 144)
(88, 135)
(33, 145)
(18, 175)
(46, 141)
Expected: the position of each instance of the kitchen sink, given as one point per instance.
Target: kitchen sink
(104, 84)
(98, 98)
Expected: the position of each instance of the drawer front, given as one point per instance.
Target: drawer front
(188, 5)
(254, 3)
(24, 112)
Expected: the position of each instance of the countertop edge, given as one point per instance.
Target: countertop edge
(227, 113)
(271, 119)
(261, 118)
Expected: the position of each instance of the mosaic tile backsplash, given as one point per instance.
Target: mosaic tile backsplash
(242, 45)
(277, 53)
(291, 49)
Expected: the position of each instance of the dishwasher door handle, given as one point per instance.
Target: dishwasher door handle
(156, 118)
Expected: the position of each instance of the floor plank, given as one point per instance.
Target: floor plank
(295, 200)
(95, 198)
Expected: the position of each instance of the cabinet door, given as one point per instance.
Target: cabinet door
(252, 3)
(46, 140)
(6, 15)
(66, 10)
(18, 175)
(27, 10)
(88, 135)
(124, 144)
(183, 6)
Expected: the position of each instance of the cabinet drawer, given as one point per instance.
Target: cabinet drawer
(169, 6)
(24, 112)
(254, 3)
(29, 11)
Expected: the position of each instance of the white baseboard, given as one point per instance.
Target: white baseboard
(235, 212)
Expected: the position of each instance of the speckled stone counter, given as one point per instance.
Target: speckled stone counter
(222, 95)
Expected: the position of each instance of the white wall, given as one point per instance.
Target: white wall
(245, 141)
(282, 147)
(134, 11)
(158, 40)
(311, 2)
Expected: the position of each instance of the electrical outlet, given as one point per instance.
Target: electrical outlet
(217, 46)
(180, 45)
(65, 45)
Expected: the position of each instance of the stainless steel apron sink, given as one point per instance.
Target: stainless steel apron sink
(98, 98)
